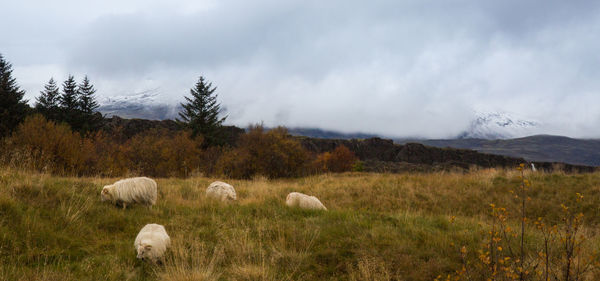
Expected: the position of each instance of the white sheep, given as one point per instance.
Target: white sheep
(303, 201)
(533, 168)
(140, 190)
(221, 191)
(152, 242)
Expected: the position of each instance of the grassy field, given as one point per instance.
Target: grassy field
(378, 227)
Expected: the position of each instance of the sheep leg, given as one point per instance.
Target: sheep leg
(124, 205)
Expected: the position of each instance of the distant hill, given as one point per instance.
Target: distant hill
(545, 148)
(381, 155)
(326, 134)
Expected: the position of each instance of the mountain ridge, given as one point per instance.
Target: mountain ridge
(546, 148)
(493, 132)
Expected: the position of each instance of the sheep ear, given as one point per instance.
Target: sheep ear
(148, 247)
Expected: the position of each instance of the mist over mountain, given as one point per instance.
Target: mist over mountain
(143, 105)
(499, 125)
(493, 132)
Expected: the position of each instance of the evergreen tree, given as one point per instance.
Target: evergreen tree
(87, 100)
(201, 113)
(48, 102)
(89, 120)
(68, 99)
(12, 106)
(69, 104)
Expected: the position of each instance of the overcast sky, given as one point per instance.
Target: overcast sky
(398, 68)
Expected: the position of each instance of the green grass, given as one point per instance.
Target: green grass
(379, 227)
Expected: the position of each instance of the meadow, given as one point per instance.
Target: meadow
(408, 226)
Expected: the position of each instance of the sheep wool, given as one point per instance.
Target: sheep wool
(221, 191)
(139, 190)
(152, 242)
(303, 201)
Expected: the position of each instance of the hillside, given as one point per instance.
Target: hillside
(544, 148)
(381, 155)
(378, 227)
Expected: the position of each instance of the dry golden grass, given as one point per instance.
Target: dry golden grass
(379, 227)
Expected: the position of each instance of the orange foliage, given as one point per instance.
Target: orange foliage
(341, 159)
(44, 145)
(271, 154)
(156, 153)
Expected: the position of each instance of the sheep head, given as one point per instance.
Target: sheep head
(105, 194)
(143, 251)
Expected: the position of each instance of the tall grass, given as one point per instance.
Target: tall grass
(379, 227)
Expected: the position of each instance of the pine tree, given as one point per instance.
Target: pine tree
(68, 99)
(13, 107)
(87, 100)
(69, 104)
(201, 113)
(89, 120)
(48, 102)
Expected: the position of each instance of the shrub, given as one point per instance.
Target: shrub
(341, 159)
(159, 154)
(272, 154)
(40, 144)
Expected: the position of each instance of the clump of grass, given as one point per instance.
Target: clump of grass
(535, 249)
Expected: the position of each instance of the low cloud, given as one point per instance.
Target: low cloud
(398, 68)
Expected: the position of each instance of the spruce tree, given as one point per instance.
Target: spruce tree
(69, 104)
(13, 107)
(48, 102)
(68, 99)
(89, 121)
(87, 100)
(201, 113)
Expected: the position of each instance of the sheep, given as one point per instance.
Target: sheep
(221, 191)
(303, 201)
(152, 242)
(128, 191)
(533, 167)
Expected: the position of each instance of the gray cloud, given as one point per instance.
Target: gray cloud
(403, 68)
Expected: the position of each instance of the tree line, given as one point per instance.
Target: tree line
(75, 104)
(62, 134)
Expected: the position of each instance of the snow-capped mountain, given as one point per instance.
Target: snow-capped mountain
(144, 105)
(498, 125)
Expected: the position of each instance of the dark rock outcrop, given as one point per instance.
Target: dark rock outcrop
(377, 152)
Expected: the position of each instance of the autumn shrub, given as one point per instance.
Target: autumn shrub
(43, 145)
(104, 155)
(341, 159)
(158, 153)
(209, 159)
(272, 154)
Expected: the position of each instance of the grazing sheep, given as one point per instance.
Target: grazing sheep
(303, 201)
(221, 191)
(152, 242)
(140, 190)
